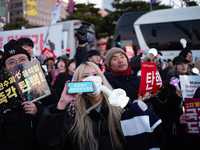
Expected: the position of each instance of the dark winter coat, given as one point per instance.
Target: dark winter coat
(18, 130)
(54, 129)
(59, 83)
(174, 131)
(130, 83)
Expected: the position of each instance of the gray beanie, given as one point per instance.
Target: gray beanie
(111, 52)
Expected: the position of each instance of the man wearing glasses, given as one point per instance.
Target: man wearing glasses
(18, 127)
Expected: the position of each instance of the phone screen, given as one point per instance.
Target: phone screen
(80, 87)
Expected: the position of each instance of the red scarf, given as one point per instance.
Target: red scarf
(122, 73)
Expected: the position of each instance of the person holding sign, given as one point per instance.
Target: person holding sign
(93, 124)
(18, 126)
(174, 131)
(192, 140)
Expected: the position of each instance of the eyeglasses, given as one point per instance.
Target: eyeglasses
(21, 60)
(188, 56)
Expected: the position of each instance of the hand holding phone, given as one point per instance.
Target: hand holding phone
(80, 87)
(66, 97)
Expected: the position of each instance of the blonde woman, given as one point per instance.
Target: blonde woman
(95, 124)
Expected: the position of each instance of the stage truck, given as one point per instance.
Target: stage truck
(60, 37)
(161, 29)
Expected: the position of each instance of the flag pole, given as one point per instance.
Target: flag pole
(48, 27)
(150, 5)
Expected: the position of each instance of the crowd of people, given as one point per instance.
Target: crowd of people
(97, 121)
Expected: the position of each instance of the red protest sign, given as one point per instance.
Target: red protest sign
(151, 81)
(103, 46)
(192, 109)
(48, 53)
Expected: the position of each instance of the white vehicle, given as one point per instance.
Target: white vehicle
(163, 30)
(61, 37)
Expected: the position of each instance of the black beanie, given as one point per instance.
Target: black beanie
(92, 53)
(12, 48)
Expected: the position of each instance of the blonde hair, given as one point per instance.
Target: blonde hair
(83, 124)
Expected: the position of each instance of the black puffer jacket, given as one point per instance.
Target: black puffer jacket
(54, 129)
(18, 130)
(174, 131)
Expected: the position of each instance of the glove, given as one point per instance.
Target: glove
(81, 34)
(118, 98)
(163, 93)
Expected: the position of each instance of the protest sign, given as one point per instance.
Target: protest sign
(192, 109)
(189, 84)
(48, 53)
(55, 72)
(151, 81)
(24, 82)
(129, 51)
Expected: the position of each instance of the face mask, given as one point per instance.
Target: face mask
(97, 83)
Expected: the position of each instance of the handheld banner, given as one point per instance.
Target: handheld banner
(151, 81)
(189, 84)
(48, 53)
(192, 109)
(24, 82)
(55, 72)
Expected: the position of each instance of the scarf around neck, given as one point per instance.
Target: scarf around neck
(122, 73)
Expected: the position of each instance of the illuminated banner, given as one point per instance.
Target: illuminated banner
(38, 35)
(24, 82)
(129, 51)
(151, 81)
(48, 53)
(192, 109)
(189, 84)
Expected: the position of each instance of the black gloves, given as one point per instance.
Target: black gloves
(81, 34)
(163, 93)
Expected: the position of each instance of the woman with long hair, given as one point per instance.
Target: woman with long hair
(62, 77)
(95, 124)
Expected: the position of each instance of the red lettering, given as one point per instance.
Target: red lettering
(35, 39)
(41, 42)
(10, 38)
(16, 37)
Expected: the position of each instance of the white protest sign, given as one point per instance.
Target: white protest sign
(189, 84)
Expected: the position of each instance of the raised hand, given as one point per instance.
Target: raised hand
(66, 98)
(81, 34)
